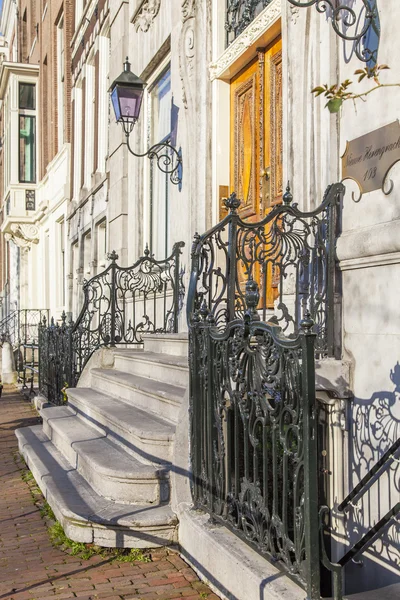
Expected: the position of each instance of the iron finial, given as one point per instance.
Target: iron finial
(113, 256)
(307, 322)
(252, 298)
(147, 251)
(287, 196)
(232, 203)
(63, 317)
(204, 312)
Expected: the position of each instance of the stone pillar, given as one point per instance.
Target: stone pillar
(8, 372)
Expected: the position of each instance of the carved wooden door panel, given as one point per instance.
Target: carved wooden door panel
(256, 143)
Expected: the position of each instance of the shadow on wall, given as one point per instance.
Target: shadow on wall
(375, 428)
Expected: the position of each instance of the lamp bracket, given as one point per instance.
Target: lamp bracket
(346, 24)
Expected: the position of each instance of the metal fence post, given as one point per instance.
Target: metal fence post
(310, 433)
(176, 286)
(232, 203)
(113, 257)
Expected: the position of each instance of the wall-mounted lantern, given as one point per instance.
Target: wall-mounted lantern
(126, 96)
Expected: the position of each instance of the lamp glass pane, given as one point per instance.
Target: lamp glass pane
(115, 101)
(130, 101)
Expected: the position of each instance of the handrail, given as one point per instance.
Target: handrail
(360, 487)
(120, 305)
(371, 535)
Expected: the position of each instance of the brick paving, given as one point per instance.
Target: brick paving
(32, 569)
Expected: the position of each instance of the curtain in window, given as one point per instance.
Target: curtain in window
(27, 149)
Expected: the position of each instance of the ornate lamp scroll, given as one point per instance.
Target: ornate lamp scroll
(345, 22)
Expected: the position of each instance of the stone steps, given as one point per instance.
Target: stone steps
(163, 399)
(110, 471)
(173, 370)
(103, 460)
(175, 344)
(143, 434)
(85, 515)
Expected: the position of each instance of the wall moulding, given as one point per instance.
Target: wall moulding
(261, 32)
(372, 246)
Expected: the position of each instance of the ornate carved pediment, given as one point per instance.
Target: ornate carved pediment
(23, 235)
(245, 40)
(146, 14)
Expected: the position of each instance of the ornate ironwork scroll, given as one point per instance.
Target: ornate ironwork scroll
(346, 24)
(253, 435)
(56, 359)
(290, 253)
(240, 13)
(21, 329)
(120, 305)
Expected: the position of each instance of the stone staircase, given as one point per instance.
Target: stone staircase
(103, 461)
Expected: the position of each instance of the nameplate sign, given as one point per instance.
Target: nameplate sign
(369, 158)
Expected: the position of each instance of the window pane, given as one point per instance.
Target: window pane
(27, 96)
(27, 149)
(161, 107)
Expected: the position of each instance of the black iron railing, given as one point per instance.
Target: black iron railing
(120, 305)
(261, 307)
(253, 435)
(56, 359)
(369, 536)
(21, 329)
(291, 254)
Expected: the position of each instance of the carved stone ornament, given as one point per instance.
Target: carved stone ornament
(23, 235)
(246, 39)
(146, 14)
(187, 51)
(294, 13)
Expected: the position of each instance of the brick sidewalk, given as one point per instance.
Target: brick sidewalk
(30, 568)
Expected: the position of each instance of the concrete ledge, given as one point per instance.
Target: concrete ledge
(228, 565)
(333, 376)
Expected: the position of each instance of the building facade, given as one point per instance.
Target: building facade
(229, 85)
(36, 89)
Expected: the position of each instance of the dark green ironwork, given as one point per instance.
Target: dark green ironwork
(21, 329)
(346, 24)
(289, 250)
(253, 435)
(120, 305)
(56, 361)
(239, 14)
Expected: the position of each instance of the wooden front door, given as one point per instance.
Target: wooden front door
(256, 139)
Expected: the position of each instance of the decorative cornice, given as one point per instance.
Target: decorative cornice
(145, 15)
(246, 39)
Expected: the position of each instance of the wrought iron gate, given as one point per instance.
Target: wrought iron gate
(254, 418)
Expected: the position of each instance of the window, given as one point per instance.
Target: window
(160, 130)
(27, 96)
(27, 133)
(87, 255)
(62, 272)
(101, 231)
(60, 80)
(27, 149)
